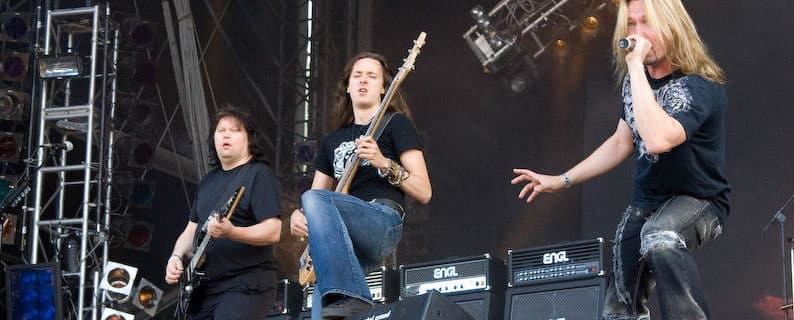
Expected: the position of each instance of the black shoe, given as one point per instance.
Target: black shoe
(345, 307)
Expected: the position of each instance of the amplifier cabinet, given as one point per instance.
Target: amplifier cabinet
(384, 286)
(559, 262)
(567, 300)
(483, 305)
(288, 299)
(458, 275)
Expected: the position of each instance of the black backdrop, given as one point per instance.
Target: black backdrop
(476, 132)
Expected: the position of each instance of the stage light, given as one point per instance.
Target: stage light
(33, 291)
(483, 22)
(590, 22)
(14, 66)
(519, 82)
(139, 236)
(70, 253)
(142, 195)
(15, 26)
(142, 153)
(477, 12)
(118, 280)
(113, 314)
(60, 66)
(13, 105)
(147, 297)
(10, 146)
(561, 39)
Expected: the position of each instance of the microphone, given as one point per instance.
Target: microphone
(626, 44)
(66, 145)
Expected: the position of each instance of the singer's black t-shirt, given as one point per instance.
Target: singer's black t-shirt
(696, 167)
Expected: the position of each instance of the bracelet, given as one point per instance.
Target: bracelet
(384, 173)
(566, 180)
(175, 256)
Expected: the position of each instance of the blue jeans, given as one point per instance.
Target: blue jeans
(653, 248)
(348, 237)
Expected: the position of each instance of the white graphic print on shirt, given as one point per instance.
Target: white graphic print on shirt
(674, 97)
(342, 154)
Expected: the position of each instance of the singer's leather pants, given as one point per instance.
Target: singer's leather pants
(654, 248)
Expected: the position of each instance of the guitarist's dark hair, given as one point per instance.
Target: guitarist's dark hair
(249, 125)
(343, 110)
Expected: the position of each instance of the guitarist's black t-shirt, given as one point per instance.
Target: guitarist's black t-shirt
(232, 265)
(399, 136)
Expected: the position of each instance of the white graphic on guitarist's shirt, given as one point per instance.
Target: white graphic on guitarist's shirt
(342, 154)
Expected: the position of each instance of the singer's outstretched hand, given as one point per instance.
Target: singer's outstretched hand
(536, 183)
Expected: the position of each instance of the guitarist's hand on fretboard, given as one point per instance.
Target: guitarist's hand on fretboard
(219, 226)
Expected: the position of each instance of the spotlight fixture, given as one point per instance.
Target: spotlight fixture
(521, 29)
(113, 314)
(142, 153)
(118, 280)
(590, 22)
(138, 236)
(14, 66)
(10, 146)
(14, 26)
(60, 66)
(147, 297)
(477, 12)
(13, 105)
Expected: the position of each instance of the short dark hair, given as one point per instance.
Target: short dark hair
(249, 125)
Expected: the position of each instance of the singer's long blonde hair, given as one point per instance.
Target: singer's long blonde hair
(675, 28)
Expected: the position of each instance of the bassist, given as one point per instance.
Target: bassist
(356, 231)
(239, 267)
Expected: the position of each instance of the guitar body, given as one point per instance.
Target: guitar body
(192, 275)
(306, 275)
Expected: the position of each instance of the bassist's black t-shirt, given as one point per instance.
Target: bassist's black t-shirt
(229, 264)
(399, 136)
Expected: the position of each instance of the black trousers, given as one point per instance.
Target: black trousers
(654, 249)
(232, 305)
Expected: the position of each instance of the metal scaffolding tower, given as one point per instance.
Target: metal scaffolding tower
(77, 110)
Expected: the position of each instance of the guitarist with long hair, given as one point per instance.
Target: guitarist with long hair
(350, 234)
(239, 267)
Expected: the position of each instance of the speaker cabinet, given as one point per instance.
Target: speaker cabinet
(569, 300)
(429, 306)
(483, 305)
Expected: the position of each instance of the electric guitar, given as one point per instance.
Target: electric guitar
(192, 276)
(306, 274)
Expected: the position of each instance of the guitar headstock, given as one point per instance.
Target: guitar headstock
(408, 62)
